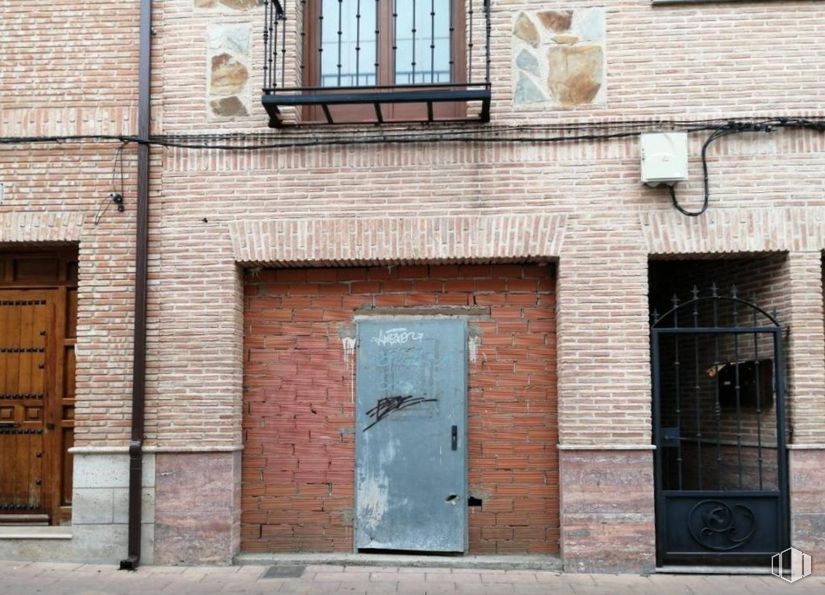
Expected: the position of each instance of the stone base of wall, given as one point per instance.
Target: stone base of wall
(607, 511)
(198, 508)
(100, 516)
(807, 479)
(195, 518)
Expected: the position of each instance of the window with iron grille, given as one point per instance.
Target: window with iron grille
(420, 44)
(379, 60)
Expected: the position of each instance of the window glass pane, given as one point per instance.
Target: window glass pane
(423, 37)
(348, 43)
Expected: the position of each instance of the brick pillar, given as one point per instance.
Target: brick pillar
(806, 403)
(806, 349)
(605, 400)
(194, 404)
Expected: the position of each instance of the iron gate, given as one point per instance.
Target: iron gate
(719, 431)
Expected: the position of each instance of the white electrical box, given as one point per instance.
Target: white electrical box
(664, 158)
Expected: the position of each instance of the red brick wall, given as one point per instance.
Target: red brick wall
(298, 465)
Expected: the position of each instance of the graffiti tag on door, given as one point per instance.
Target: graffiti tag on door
(396, 336)
(388, 405)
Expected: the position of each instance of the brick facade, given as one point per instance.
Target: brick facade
(299, 413)
(578, 204)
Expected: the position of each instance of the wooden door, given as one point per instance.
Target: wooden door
(26, 317)
(37, 329)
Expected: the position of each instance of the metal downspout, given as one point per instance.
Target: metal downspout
(141, 267)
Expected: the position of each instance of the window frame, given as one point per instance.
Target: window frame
(385, 77)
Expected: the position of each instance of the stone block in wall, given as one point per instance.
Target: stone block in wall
(93, 506)
(38, 550)
(108, 470)
(807, 493)
(108, 544)
(91, 544)
(120, 501)
(100, 505)
(601, 531)
(197, 508)
(100, 508)
(559, 58)
(229, 65)
(100, 471)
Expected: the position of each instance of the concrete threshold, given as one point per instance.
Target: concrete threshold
(546, 563)
(731, 570)
(34, 532)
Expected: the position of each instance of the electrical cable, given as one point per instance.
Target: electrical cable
(298, 138)
(119, 157)
(19, 140)
(716, 134)
(101, 209)
(739, 127)
(449, 132)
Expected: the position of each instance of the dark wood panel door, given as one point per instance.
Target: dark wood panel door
(26, 321)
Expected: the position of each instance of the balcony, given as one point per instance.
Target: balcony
(376, 61)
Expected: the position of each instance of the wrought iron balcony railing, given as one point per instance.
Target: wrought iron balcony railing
(347, 61)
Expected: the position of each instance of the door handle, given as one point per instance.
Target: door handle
(671, 437)
(454, 437)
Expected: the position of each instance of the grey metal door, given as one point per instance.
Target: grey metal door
(411, 448)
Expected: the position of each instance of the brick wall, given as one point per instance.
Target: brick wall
(70, 54)
(63, 75)
(298, 465)
(658, 60)
(71, 68)
(603, 258)
(90, 87)
(56, 194)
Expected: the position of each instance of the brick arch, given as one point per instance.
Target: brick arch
(397, 240)
(734, 231)
(41, 227)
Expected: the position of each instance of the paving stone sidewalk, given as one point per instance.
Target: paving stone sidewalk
(56, 579)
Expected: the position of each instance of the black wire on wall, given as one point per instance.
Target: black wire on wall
(298, 138)
(739, 127)
(536, 134)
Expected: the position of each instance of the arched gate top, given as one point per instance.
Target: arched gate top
(714, 310)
